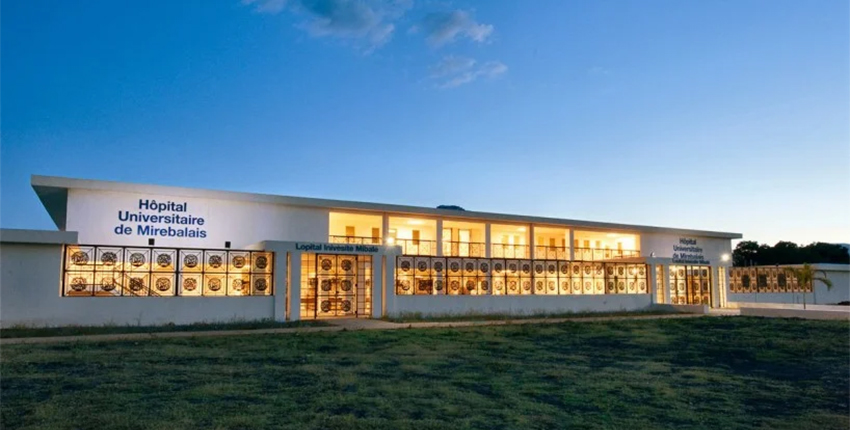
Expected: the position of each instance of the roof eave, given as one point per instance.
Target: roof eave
(53, 191)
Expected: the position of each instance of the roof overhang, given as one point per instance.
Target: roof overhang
(53, 193)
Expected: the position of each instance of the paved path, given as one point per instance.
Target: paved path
(335, 325)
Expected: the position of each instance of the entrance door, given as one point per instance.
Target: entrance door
(690, 285)
(342, 287)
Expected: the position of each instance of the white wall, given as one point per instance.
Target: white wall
(663, 246)
(445, 305)
(94, 214)
(30, 281)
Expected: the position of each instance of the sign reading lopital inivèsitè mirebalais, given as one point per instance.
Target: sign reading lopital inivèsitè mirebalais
(687, 251)
(334, 247)
(160, 218)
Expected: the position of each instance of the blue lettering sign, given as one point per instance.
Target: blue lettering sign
(161, 218)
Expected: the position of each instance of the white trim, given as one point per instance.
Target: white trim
(46, 237)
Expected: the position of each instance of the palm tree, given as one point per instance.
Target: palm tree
(806, 277)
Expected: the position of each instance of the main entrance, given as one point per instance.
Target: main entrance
(690, 285)
(337, 286)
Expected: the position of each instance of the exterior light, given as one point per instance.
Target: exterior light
(390, 240)
(415, 222)
(521, 229)
(724, 257)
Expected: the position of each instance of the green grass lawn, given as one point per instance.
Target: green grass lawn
(116, 329)
(711, 372)
(418, 317)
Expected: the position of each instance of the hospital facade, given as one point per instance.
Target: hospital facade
(132, 253)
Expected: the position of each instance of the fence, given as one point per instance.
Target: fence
(764, 280)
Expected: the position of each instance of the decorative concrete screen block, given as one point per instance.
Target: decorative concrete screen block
(484, 276)
(114, 271)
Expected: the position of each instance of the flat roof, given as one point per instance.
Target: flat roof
(53, 193)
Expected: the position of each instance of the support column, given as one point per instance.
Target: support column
(439, 237)
(377, 286)
(531, 241)
(653, 283)
(281, 287)
(715, 287)
(487, 242)
(295, 286)
(389, 278)
(385, 229)
(571, 244)
(667, 285)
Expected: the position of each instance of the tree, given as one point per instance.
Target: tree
(806, 277)
(751, 253)
(745, 253)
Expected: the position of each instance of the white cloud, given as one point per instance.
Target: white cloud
(598, 71)
(444, 27)
(453, 71)
(451, 65)
(266, 6)
(366, 21)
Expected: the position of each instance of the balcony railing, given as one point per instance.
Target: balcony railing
(502, 250)
(417, 247)
(551, 252)
(355, 240)
(593, 254)
(464, 249)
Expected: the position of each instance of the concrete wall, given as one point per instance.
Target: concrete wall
(30, 284)
(95, 216)
(839, 274)
(446, 305)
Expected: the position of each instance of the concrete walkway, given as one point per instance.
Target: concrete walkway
(335, 326)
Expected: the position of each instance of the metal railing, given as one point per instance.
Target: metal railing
(595, 254)
(551, 252)
(417, 247)
(124, 271)
(503, 250)
(464, 249)
(366, 240)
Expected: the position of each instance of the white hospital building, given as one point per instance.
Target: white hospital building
(143, 254)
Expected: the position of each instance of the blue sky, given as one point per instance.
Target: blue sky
(722, 115)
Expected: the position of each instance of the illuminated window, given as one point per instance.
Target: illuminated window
(113, 271)
(424, 275)
(690, 285)
(659, 281)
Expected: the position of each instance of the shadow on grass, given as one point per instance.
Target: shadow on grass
(21, 331)
(474, 316)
